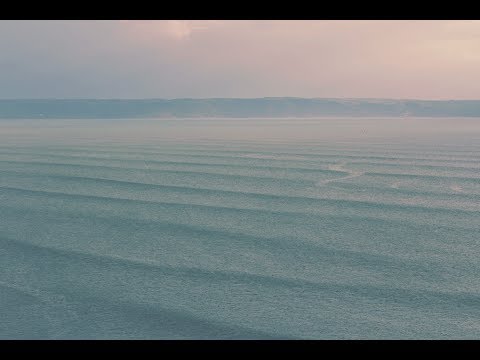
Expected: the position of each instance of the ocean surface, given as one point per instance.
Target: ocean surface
(348, 228)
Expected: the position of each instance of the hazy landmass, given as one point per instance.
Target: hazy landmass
(238, 108)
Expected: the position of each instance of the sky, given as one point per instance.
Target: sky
(215, 58)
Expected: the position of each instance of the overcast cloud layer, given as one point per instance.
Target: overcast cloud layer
(200, 59)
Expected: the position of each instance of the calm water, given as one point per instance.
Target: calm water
(293, 228)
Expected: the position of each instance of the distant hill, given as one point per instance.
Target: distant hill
(239, 108)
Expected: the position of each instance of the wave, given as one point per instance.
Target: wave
(169, 321)
(47, 252)
(341, 203)
(161, 171)
(119, 299)
(398, 188)
(238, 155)
(313, 251)
(199, 236)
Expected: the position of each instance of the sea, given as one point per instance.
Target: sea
(326, 228)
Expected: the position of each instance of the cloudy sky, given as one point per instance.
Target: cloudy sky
(200, 59)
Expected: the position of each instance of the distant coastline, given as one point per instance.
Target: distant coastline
(280, 107)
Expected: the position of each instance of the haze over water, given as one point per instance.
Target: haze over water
(240, 228)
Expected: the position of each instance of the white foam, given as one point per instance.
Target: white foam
(395, 185)
(341, 167)
(456, 188)
(273, 157)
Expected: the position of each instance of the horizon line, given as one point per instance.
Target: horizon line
(243, 98)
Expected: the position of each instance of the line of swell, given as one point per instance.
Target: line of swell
(150, 170)
(204, 227)
(220, 146)
(298, 181)
(30, 293)
(335, 202)
(308, 156)
(187, 163)
(409, 296)
(181, 324)
(212, 190)
(397, 164)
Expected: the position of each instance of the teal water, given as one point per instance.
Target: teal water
(240, 228)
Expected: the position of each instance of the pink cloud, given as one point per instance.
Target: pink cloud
(183, 58)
